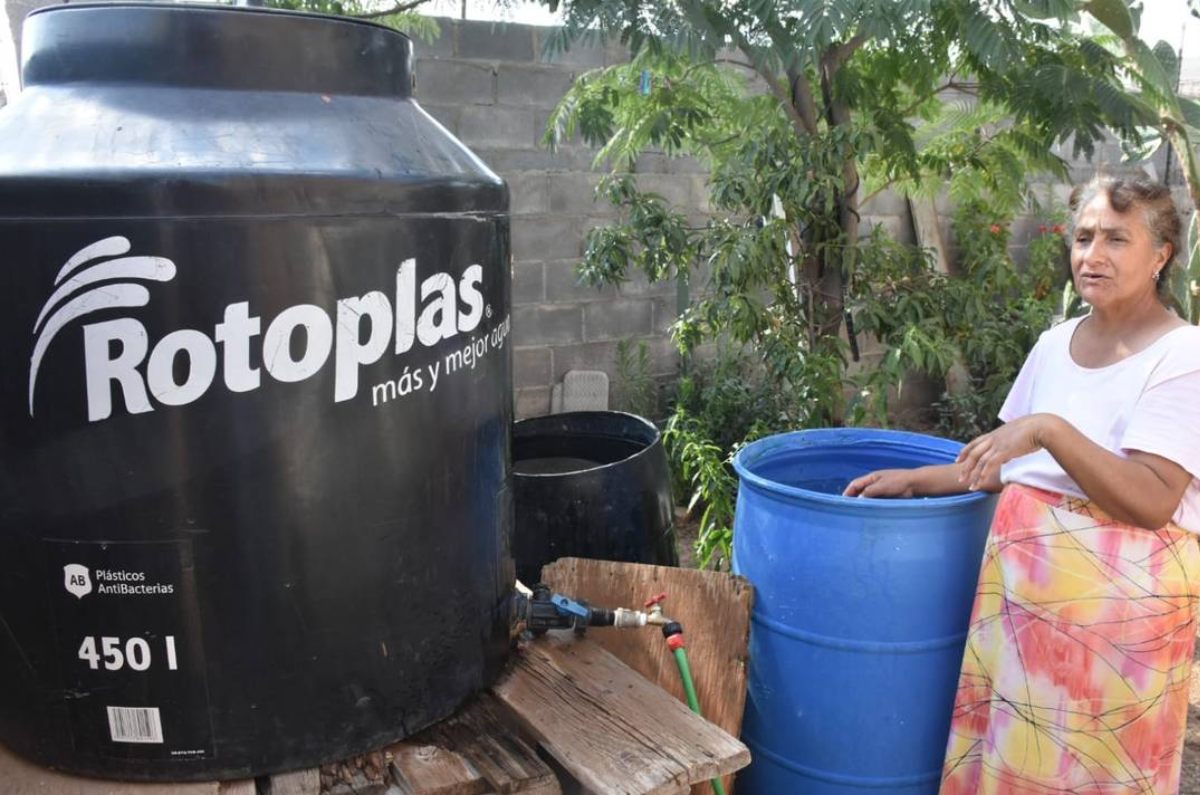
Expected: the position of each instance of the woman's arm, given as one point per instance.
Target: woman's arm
(929, 481)
(1143, 490)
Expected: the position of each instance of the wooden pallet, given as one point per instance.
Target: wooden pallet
(566, 717)
(714, 609)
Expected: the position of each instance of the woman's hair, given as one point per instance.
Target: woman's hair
(1127, 192)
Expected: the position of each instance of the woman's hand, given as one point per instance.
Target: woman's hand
(981, 459)
(882, 483)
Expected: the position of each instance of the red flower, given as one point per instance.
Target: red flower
(1042, 229)
(996, 229)
(1058, 229)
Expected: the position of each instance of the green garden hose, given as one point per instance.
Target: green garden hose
(675, 641)
(685, 673)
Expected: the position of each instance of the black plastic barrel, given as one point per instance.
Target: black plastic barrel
(254, 504)
(590, 484)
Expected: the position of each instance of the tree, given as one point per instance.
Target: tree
(848, 83)
(799, 108)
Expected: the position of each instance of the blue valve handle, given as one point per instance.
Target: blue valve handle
(570, 607)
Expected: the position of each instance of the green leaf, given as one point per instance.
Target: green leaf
(1095, 53)
(1152, 70)
(1191, 111)
(1045, 9)
(1129, 109)
(1169, 59)
(1134, 152)
(1114, 15)
(984, 37)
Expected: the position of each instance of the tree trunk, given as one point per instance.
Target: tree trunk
(1191, 177)
(1187, 164)
(838, 267)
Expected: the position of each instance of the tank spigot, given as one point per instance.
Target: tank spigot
(541, 610)
(624, 617)
(654, 605)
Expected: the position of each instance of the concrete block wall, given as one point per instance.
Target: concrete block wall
(488, 84)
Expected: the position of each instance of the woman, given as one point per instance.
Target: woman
(1075, 675)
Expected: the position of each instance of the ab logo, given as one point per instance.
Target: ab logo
(77, 580)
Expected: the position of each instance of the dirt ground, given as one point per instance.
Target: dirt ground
(1190, 779)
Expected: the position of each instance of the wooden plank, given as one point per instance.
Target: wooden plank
(364, 774)
(714, 609)
(928, 232)
(296, 782)
(245, 787)
(19, 777)
(609, 727)
(424, 769)
(929, 235)
(482, 733)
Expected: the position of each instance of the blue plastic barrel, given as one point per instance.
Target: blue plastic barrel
(860, 613)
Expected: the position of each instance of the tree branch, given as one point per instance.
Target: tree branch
(966, 88)
(735, 62)
(802, 98)
(891, 182)
(876, 192)
(777, 88)
(801, 93)
(399, 8)
(781, 91)
(831, 61)
(841, 53)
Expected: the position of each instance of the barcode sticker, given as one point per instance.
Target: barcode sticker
(135, 725)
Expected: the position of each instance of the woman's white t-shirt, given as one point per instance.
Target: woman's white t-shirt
(1149, 401)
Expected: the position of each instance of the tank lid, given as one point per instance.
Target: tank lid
(205, 46)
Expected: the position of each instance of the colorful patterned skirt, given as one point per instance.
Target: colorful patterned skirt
(1075, 675)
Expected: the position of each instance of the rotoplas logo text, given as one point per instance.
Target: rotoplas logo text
(118, 351)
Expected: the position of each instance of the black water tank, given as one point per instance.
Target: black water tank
(254, 505)
(590, 484)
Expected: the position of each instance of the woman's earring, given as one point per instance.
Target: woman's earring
(1155, 276)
